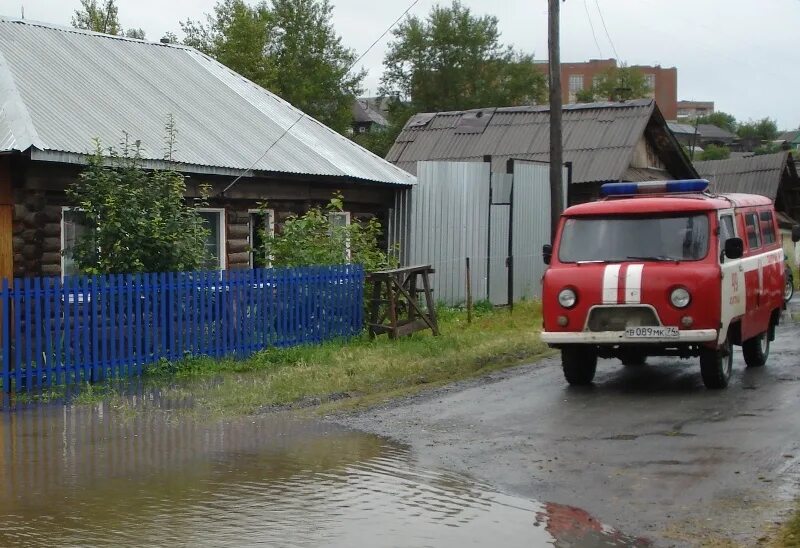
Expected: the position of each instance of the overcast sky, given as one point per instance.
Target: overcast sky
(739, 54)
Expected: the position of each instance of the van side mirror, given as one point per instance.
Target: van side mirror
(547, 253)
(796, 234)
(734, 248)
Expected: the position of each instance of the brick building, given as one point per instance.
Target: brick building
(694, 109)
(662, 81)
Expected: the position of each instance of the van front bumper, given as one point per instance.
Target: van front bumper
(618, 337)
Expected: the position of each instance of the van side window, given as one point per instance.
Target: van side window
(753, 233)
(726, 230)
(767, 227)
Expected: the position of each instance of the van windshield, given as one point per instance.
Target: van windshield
(617, 239)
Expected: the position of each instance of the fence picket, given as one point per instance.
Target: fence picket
(87, 328)
(6, 334)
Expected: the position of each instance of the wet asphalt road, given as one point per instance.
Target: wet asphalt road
(646, 449)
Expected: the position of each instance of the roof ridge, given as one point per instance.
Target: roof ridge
(546, 107)
(86, 32)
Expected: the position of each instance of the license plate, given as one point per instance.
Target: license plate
(651, 332)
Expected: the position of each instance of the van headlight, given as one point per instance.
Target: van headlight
(567, 298)
(680, 298)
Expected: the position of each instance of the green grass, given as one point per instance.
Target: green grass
(790, 533)
(361, 370)
(338, 374)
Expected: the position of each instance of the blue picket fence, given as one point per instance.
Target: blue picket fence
(90, 328)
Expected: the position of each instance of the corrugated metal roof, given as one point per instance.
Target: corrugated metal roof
(63, 87)
(750, 175)
(710, 131)
(599, 138)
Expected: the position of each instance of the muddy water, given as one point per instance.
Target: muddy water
(92, 476)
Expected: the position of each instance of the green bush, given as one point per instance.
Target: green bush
(312, 239)
(135, 220)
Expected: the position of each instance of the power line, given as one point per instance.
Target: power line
(366, 51)
(591, 25)
(610, 41)
(275, 142)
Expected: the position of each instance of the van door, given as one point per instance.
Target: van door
(733, 286)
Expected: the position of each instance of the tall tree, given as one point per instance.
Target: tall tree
(722, 120)
(618, 84)
(764, 130)
(454, 60)
(286, 46)
(102, 17)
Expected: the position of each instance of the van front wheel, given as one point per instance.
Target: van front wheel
(579, 364)
(756, 350)
(716, 365)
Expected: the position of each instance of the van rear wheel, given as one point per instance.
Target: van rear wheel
(756, 350)
(716, 366)
(579, 363)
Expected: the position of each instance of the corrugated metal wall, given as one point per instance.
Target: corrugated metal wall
(446, 218)
(502, 183)
(442, 221)
(531, 227)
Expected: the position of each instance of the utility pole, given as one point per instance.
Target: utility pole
(556, 144)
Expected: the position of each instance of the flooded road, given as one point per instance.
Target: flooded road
(91, 475)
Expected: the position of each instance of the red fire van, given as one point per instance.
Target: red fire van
(664, 268)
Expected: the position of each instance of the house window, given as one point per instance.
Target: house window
(262, 224)
(767, 227)
(753, 235)
(214, 221)
(73, 226)
(650, 81)
(341, 219)
(575, 83)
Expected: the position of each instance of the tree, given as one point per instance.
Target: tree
(102, 18)
(763, 130)
(714, 152)
(288, 47)
(135, 220)
(768, 148)
(619, 84)
(722, 120)
(453, 60)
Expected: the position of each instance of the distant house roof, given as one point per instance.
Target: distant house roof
(789, 136)
(680, 129)
(710, 131)
(750, 174)
(599, 138)
(63, 87)
(363, 113)
(704, 131)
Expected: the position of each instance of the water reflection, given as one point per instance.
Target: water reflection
(85, 476)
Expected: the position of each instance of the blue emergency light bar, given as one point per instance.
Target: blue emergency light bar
(654, 187)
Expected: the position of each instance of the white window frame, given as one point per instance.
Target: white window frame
(577, 79)
(270, 230)
(223, 250)
(64, 209)
(650, 81)
(347, 217)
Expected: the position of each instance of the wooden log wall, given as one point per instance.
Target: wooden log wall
(39, 198)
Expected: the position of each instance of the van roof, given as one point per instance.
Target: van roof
(662, 203)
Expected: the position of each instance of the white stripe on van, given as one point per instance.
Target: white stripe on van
(633, 284)
(610, 283)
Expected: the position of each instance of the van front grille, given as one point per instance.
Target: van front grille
(618, 318)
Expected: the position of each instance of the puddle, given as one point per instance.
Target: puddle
(77, 476)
